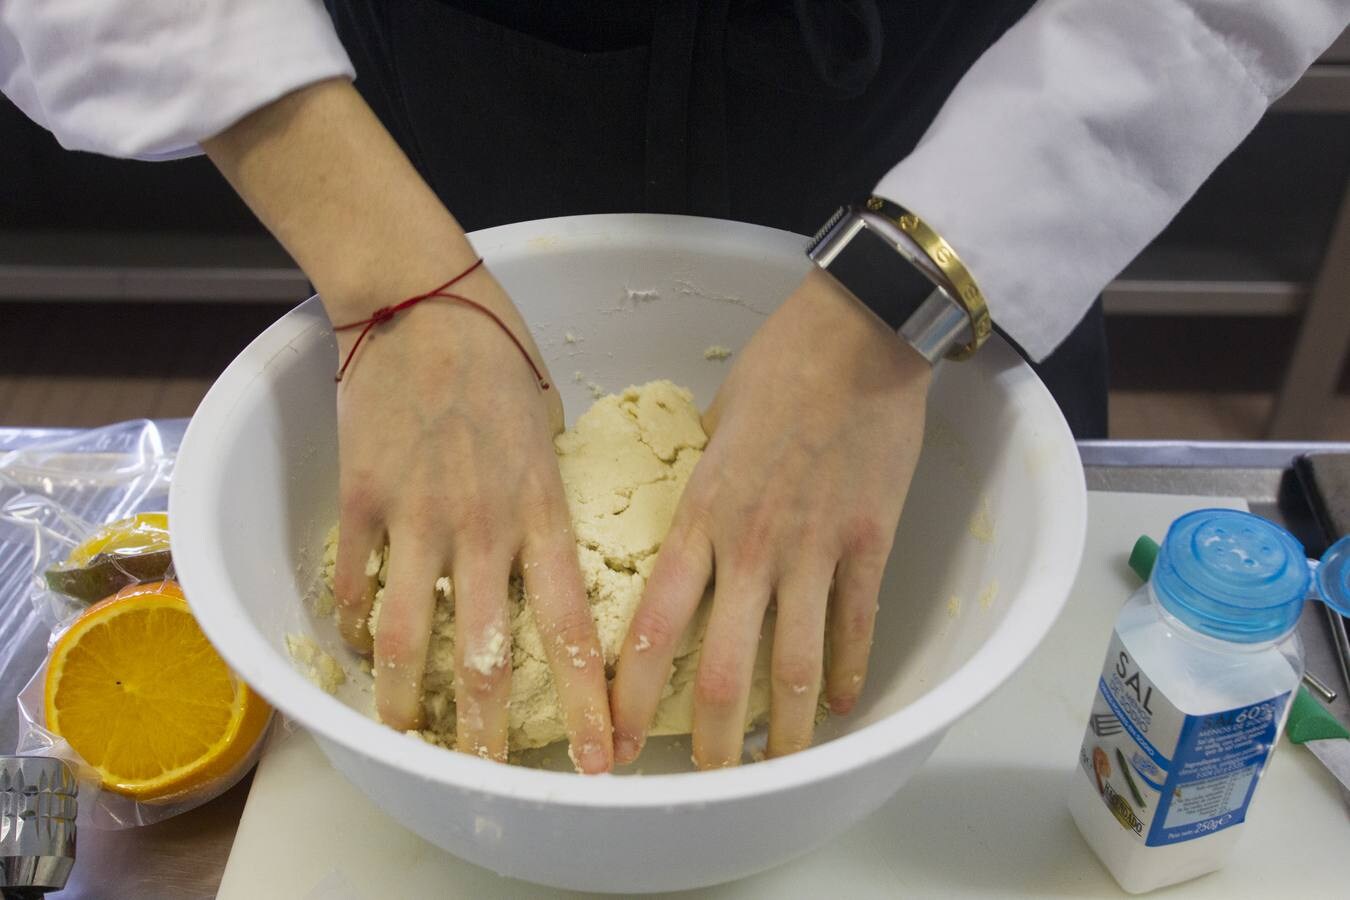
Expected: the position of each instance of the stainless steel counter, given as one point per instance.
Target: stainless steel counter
(183, 858)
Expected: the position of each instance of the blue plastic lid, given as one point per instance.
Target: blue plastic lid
(1333, 577)
(1233, 575)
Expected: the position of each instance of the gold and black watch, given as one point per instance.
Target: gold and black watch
(907, 275)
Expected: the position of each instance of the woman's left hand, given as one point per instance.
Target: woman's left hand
(814, 439)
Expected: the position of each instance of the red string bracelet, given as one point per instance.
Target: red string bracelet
(386, 313)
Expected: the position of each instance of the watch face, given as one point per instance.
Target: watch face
(881, 277)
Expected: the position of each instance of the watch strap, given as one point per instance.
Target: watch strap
(936, 248)
(935, 326)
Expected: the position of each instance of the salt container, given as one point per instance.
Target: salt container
(1198, 680)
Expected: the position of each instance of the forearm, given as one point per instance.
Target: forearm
(321, 172)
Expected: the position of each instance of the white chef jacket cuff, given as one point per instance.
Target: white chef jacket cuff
(1074, 139)
(1043, 210)
(151, 80)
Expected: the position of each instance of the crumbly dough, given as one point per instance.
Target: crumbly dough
(624, 465)
(981, 525)
(717, 352)
(989, 595)
(315, 664)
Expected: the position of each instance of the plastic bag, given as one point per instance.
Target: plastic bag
(57, 488)
(60, 489)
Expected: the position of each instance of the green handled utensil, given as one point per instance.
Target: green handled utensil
(1310, 723)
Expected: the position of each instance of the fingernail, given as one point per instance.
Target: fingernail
(626, 748)
(842, 706)
(715, 763)
(592, 759)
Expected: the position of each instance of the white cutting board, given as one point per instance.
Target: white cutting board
(984, 817)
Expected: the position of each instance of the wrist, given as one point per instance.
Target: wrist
(834, 311)
(383, 275)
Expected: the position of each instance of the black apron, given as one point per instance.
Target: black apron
(767, 111)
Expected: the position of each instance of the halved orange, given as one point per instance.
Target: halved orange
(138, 691)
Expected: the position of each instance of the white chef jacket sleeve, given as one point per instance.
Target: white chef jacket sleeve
(1075, 138)
(152, 78)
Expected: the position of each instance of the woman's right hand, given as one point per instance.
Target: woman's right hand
(445, 439)
(446, 452)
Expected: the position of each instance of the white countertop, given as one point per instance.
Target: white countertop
(984, 817)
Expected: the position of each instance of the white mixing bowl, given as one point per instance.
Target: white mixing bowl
(986, 552)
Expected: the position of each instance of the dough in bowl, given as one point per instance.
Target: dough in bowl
(624, 465)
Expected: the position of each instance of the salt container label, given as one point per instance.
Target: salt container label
(1166, 776)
